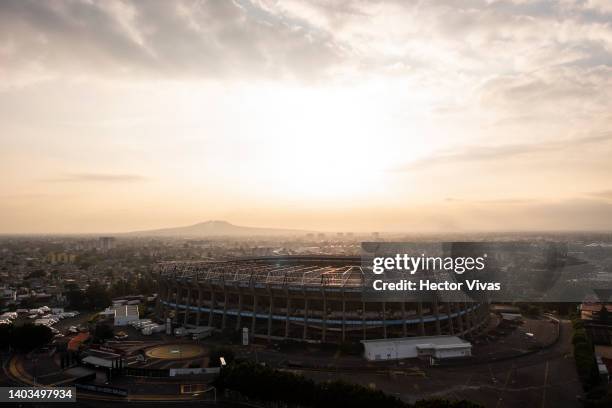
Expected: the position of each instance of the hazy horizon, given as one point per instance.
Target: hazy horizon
(300, 231)
(357, 116)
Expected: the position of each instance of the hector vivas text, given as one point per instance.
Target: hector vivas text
(411, 265)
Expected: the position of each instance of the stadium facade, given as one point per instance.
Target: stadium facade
(307, 298)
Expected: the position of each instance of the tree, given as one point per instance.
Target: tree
(121, 287)
(94, 297)
(266, 384)
(76, 298)
(145, 285)
(27, 303)
(97, 296)
(603, 315)
(39, 273)
(263, 383)
(584, 355)
(103, 332)
(5, 335)
(29, 337)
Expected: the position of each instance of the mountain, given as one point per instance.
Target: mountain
(216, 229)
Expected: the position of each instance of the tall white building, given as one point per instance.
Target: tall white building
(106, 243)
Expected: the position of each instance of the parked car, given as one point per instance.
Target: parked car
(121, 336)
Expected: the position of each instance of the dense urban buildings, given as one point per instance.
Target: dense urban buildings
(153, 310)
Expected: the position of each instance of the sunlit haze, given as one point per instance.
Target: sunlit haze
(336, 116)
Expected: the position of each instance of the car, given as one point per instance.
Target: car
(121, 336)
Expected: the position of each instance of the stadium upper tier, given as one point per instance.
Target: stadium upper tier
(332, 272)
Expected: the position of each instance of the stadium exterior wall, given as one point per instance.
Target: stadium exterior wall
(267, 296)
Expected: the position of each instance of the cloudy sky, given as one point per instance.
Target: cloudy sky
(354, 116)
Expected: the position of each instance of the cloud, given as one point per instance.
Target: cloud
(178, 39)
(97, 177)
(501, 152)
(193, 83)
(603, 194)
(538, 58)
(578, 88)
(502, 201)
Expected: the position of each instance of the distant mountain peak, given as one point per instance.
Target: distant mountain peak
(214, 222)
(212, 228)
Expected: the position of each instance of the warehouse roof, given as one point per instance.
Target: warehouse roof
(434, 341)
(97, 361)
(446, 346)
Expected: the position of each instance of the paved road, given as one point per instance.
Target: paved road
(546, 379)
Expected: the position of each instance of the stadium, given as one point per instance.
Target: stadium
(306, 298)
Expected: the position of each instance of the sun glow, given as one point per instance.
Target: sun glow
(324, 144)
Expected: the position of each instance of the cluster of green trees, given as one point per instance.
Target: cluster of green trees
(142, 286)
(24, 338)
(94, 297)
(39, 273)
(598, 398)
(102, 332)
(597, 392)
(584, 355)
(262, 383)
(529, 309)
(559, 308)
(97, 296)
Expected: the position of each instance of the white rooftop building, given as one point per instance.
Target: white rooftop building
(438, 347)
(123, 315)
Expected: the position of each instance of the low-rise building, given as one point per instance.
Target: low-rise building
(122, 314)
(438, 347)
(8, 295)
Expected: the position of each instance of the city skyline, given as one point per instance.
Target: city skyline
(352, 116)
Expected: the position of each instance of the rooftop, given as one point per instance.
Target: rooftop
(422, 340)
(328, 271)
(127, 310)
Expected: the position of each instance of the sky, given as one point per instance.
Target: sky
(337, 116)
